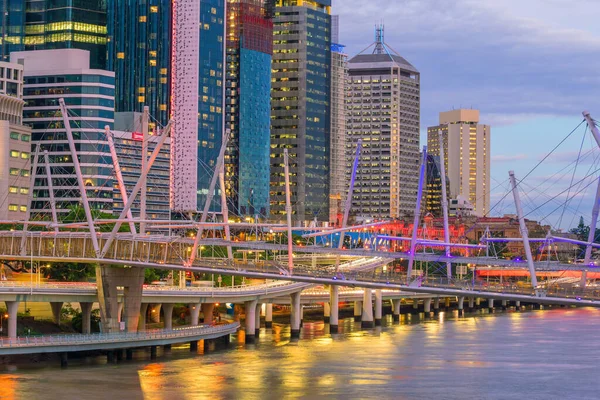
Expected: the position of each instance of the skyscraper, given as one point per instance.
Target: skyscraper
(467, 156)
(383, 109)
(139, 52)
(12, 27)
(338, 184)
(89, 96)
(300, 107)
(248, 106)
(197, 95)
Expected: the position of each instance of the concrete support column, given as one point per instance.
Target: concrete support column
(517, 305)
(301, 316)
(168, 313)
(357, 310)
(207, 311)
(86, 317)
(269, 315)
(367, 310)
(108, 279)
(478, 302)
(415, 307)
(491, 304)
(378, 307)
(250, 308)
(471, 303)
(334, 297)
(56, 306)
(142, 318)
(396, 309)
(194, 313)
(461, 305)
(326, 312)
(436, 305)
(427, 306)
(257, 323)
(12, 308)
(447, 303)
(295, 314)
(504, 305)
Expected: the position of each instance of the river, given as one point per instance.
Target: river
(550, 354)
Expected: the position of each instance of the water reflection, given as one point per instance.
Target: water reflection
(542, 354)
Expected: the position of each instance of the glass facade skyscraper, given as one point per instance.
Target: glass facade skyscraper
(300, 107)
(12, 28)
(139, 51)
(248, 111)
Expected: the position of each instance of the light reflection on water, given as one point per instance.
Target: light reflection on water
(535, 355)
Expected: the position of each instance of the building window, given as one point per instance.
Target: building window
(23, 208)
(12, 189)
(153, 9)
(24, 155)
(14, 171)
(25, 172)
(23, 190)
(121, 55)
(14, 154)
(13, 207)
(14, 135)
(142, 18)
(25, 138)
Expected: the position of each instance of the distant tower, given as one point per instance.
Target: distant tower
(383, 108)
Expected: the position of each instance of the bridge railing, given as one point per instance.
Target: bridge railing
(101, 338)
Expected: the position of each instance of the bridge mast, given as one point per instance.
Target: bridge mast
(288, 209)
(523, 229)
(596, 208)
(445, 204)
(413, 241)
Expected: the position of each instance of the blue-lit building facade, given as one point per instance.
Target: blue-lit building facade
(12, 27)
(248, 107)
(300, 108)
(89, 96)
(139, 52)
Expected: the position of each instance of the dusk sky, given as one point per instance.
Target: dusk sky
(529, 66)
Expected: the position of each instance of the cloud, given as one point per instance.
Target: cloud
(508, 158)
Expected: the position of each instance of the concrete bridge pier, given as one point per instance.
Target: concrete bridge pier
(142, 319)
(396, 309)
(269, 315)
(326, 312)
(86, 317)
(168, 314)
(366, 320)
(357, 310)
(504, 305)
(415, 309)
(471, 304)
(295, 315)
(334, 297)
(427, 307)
(378, 307)
(461, 305)
(12, 308)
(257, 321)
(194, 313)
(155, 313)
(56, 306)
(491, 305)
(250, 308)
(447, 304)
(478, 303)
(131, 279)
(517, 305)
(207, 312)
(436, 305)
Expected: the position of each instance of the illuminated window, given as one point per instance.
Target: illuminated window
(25, 172)
(23, 208)
(14, 171)
(13, 207)
(142, 18)
(24, 190)
(163, 107)
(121, 55)
(153, 9)
(24, 155)
(14, 154)
(13, 189)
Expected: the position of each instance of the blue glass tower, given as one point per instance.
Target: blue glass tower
(12, 27)
(139, 51)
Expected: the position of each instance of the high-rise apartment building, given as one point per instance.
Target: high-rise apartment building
(338, 185)
(248, 107)
(139, 52)
(89, 96)
(197, 96)
(383, 109)
(467, 156)
(15, 145)
(300, 108)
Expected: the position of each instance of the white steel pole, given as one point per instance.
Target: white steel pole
(51, 191)
(445, 203)
(288, 210)
(136, 189)
(30, 197)
(81, 184)
(225, 211)
(119, 176)
(524, 233)
(143, 190)
(596, 207)
(413, 241)
(209, 197)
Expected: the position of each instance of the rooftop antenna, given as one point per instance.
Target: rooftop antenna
(379, 42)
